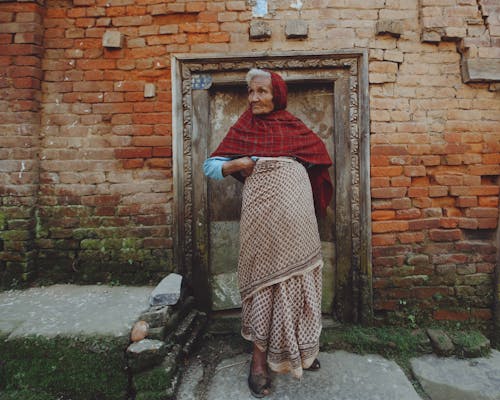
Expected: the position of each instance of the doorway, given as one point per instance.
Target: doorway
(325, 92)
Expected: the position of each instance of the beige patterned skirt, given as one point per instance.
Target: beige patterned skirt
(280, 262)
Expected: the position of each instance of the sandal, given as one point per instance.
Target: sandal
(258, 383)
(315, 366)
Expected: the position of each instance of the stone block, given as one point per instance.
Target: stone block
(195, 333)
(113, 39)
(168, 291)
(145, 354)
(423, 342)
(432, 36)
(296, 29)
(150, 91)
(156, 333)
(260, 30)
(451, 378)
(481, 70)
(441, 342)
(390, 27)
(157, 316)
(185, 327)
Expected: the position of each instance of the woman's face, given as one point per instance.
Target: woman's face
(260, 95)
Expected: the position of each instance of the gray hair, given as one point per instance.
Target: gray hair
(254, 72)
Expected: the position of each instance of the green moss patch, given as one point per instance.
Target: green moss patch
(392, 342)
(75, 368)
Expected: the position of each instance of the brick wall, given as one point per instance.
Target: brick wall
(21, 35)
(104, 210)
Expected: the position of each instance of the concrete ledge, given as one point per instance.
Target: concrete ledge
(67, 340)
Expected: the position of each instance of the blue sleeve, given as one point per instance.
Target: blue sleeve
(212, 167)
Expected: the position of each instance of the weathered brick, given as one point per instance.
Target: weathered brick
(444, 235)
(134, 152)
(389, 226)
(387, 193)
(467, 201)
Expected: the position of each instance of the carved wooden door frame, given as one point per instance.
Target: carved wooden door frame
(192, 75)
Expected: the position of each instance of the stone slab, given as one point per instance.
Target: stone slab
(67, 310)
(343, 376)
(459, 379)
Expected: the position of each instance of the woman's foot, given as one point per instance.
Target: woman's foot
(315, 366)
(259, 380)
(259, 383)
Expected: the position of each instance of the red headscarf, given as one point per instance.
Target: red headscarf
(280, 133)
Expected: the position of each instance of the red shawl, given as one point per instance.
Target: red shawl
(281, 134)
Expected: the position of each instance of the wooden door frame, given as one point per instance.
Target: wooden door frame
(192, 75)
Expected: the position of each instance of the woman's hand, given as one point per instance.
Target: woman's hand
(243, 165)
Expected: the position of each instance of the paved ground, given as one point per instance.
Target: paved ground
(343, 376)
(71, 310)
(102, 310)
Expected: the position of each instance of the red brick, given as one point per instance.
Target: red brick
(383, 240)
(388, 150)
(133, 163)
(483, 190)
(389, 226)
(484, 170)
(412, 170)
(411, 213)
(485, 268)
(150, 141)
(150, 118)
(134, 152)
(430, 160)
(492, 158)
(401, 204)
(207, 16)
(162, 152)
(383, 215)
(98, 64)
(452, 212)
(418, 191)
(19, 49)
(425, 223)
(466, 201)
(468, 223)
(379, 182)
(399, 181)
(411, 237)
(438, 191)
(451, 315)
(445, 235)
(159, 163)
(386, 171)
(219, 37)
(487, 223)
(195, 6)
(387, 193)
(481, 212)
(448, 180)
(488, 201)
(482, 313)
(379, 161)
(442, 202)
(101, 200)
(448, 223)
(420, 181)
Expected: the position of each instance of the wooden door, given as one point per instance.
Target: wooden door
(313, 103)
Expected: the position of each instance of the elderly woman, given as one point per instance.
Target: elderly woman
(284, 167)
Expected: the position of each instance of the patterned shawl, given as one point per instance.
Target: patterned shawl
(280, 133)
